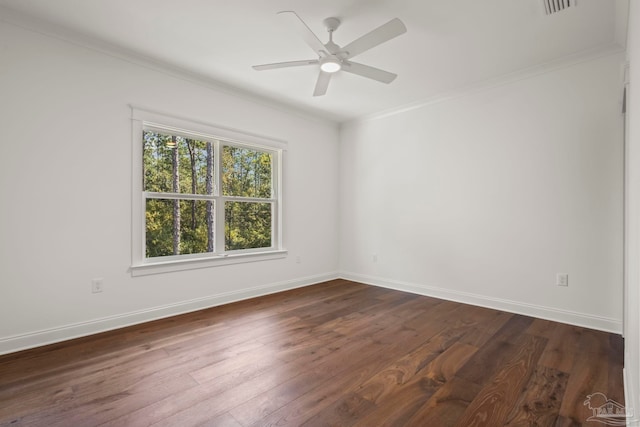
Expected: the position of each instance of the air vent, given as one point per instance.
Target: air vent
(555, 6)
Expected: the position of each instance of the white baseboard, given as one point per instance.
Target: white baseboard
(49, 336)
(53, 335)
(573, 318)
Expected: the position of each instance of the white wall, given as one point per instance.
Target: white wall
(65, 187)
(484, 197)
(632, 285)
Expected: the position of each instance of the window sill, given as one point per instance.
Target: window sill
(151, 267)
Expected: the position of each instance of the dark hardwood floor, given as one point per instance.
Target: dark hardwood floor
(337, 353)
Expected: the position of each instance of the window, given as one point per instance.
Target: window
(204, 195)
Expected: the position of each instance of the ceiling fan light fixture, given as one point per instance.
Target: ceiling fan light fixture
(330, 65)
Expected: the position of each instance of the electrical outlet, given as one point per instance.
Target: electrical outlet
(97, 285)
(562, 279)
(298, 259)
(374, 258)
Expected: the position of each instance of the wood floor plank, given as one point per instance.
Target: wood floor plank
(348, 410)
(543, 328)
(615, 386)
(423, 363)
(488, 322)
(26, 400)
(108, 406)
(209, 400)
(539, 403)
(320, 401)
(493, 356)
(412, 385)
(224, 420)
(326, 394)
(562, 421)
(589, 374)
(340, 361)
(399, 407)
(562, 347)
(491, 406)
(446, 405)
(336, 353)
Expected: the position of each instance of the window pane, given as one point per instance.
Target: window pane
(175, 227)
(246, 172)
(173, 164)
(247, 225)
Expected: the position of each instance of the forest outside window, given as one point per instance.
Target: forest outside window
(204, 197)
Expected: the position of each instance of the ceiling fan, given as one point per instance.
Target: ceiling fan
(333, 58)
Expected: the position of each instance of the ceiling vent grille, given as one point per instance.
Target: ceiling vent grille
(555, 6)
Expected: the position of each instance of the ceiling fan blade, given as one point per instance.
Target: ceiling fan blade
(322, 84)
(369, 72)
(284, 64)
(383, 33)
(305, 32)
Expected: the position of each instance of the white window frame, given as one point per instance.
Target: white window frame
(146, 119)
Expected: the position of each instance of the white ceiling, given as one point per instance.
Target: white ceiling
(450, 44)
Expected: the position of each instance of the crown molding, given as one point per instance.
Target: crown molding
(62, 33)
(505, 79)
(59, 32)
